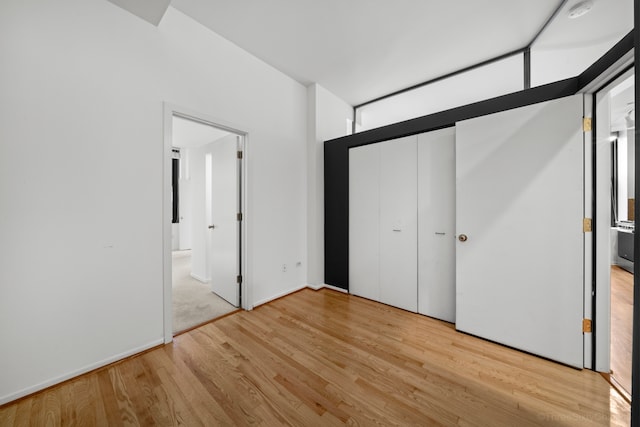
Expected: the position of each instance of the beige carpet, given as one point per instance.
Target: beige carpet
(193, 301)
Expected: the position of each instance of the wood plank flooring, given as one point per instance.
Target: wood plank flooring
(621, 326)
(325, 358)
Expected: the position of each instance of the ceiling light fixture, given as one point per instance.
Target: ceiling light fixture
(581, 8)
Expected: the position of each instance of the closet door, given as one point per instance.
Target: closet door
(519, 211)
(383, 222)
(398, 223)
(436, 224)
(364, 221)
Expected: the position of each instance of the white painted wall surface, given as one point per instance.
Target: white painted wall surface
(498, 78)
(327, 118)
(81, 155)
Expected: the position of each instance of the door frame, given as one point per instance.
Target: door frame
(602, 201)
(169, 111)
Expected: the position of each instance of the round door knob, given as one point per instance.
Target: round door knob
(462, 237)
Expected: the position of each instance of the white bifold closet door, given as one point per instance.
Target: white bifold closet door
(383, 222)
(519, 202)
(436, 224)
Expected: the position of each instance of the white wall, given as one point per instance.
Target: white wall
(497, 78)
(81, 156)
(327, 119)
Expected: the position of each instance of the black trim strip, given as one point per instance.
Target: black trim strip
(607, 60)
(635, 369)
(336, 155)
(546, 24)
(527, 68)
(594, 212)
(445, 76)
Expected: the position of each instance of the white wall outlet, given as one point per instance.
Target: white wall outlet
(284, 268)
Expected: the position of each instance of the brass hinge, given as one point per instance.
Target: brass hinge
(586, 124)
(239, 216)
(239, 279)
(240, 154)
(587, 225)
(586, 325)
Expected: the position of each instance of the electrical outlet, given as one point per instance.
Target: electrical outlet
(284, 268)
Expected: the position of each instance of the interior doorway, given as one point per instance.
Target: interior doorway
(204, 206)
(615, 216)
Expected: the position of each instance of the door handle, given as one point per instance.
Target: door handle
(462, 237)
(211, 227)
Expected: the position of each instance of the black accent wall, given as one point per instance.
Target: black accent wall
(336, 151)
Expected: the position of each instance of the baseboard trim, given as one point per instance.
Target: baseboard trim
(92, 367)
(278, 296)
(198, 278)
(325, 286)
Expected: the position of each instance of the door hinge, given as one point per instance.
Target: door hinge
(239, 154)
(586, 124)
(587, 225)
(586, 325)
(239, 216)
(239, 279)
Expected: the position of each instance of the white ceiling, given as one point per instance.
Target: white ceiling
(150, 11)
(362, 49)
(190, 134)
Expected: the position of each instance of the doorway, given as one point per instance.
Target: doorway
(615, 196)
(203, 249)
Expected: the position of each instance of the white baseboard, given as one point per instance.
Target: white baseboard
(324, 285)
(29, 390)
(198, 278)
(280, 295)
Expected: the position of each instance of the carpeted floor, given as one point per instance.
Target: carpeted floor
(193, 301)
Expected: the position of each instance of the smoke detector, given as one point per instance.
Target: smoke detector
(580, 8)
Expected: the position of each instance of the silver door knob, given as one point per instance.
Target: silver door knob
(462, 237)
(211, 227)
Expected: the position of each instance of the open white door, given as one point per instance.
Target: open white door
(223, 207)
(519, 222)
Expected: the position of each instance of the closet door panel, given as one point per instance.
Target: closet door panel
(398, 223)
(364, 221)
(436, 224)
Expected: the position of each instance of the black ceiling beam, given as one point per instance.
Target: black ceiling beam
(336, 153)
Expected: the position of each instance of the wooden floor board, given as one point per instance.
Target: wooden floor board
(621, 326)
(327, 358)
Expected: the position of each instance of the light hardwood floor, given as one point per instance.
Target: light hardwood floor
(621, 326)
(325, 358)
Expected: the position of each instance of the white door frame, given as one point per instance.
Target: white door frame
(169, 112)
(603, 238)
